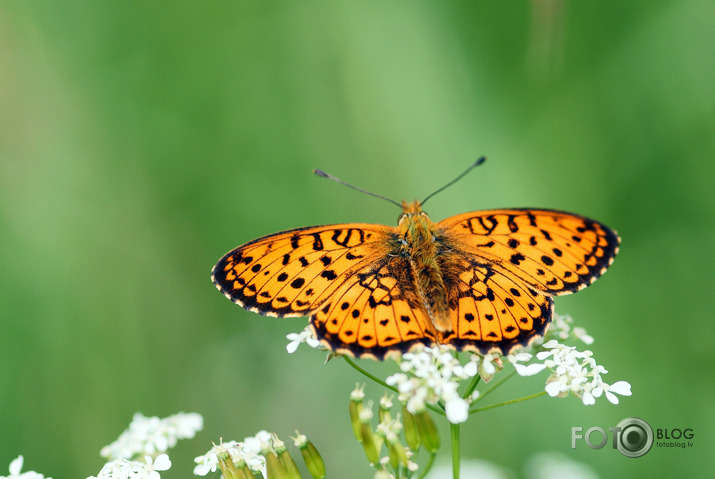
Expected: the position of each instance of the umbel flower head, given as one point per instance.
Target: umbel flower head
(431, 375)
(263, 454)
(151, 435)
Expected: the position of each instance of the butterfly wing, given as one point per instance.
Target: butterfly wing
(491, 310)
(552, 251)
(291, 273)
(503, 267)
(359, 293)
(375, 312)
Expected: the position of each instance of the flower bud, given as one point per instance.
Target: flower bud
(397, 453)
(428, 431)
(369, 441)
(356, 404)
(412, 435)
(285, 459)
(274, 466)
(244, 472)
(228, 468)
(313, 460)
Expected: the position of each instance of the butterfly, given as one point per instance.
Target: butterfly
(481, 281)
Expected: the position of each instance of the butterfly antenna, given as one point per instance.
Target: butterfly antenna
(323, 174)
(473, 165)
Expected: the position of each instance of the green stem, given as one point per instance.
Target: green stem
(383, 383)
(496, 385)
(368, 375)
(427, 468)
(512, 401)
(454, 436)
(472, 386)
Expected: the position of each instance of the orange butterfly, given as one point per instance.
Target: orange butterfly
(480, 281)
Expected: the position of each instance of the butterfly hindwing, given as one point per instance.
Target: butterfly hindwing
(552, 251)
(375, 312)
(490, 310)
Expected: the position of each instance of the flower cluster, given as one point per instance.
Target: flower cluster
(418, 431)
(430, 375)
(246, 452)
(139, 452)
(151, 435)
(577, 372)
(263, 454)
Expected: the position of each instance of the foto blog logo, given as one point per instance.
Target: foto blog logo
(632, 437)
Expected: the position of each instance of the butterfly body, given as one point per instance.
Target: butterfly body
(422, 249)
(480, 281)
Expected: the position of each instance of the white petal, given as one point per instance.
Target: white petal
(162, 463)
(553, 389)
(16, 466)
(529, 370)
(519, 357)
(488, 367)
(202, 469)
(543, 355)
(588, 399)
(612, 398)
(470, 369)
(621, 387)
(457, 410)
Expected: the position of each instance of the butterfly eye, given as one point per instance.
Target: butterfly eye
(401, 218)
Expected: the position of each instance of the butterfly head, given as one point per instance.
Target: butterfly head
(411, 211)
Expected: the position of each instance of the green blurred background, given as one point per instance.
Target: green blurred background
(140, 141)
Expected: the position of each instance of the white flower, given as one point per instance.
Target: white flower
(248, 451)
(16, 467)
(306, 336)
(149, 435)
(126, 469)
